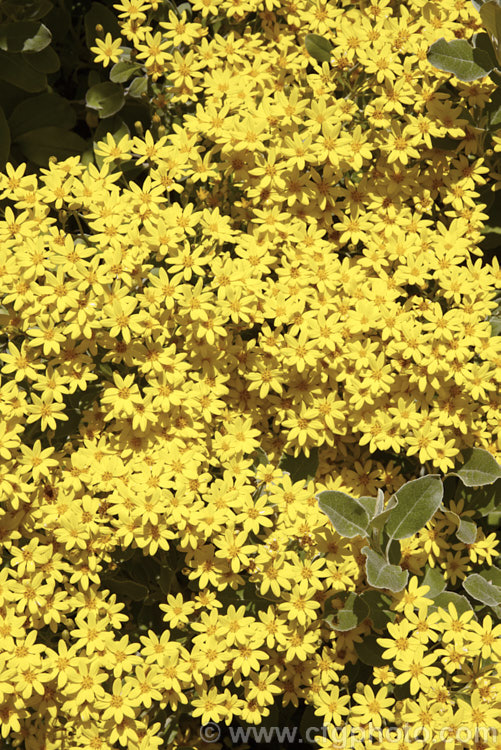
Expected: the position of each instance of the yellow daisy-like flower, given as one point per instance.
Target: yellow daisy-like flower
(107, 50)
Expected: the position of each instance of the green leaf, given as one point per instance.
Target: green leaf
(127, 589)
(138, 87)
(417, 502)
(466, 528)
(41, 111)
(184, 7)
(479, 468)
(347, 515)
(259, 456)
(461, 59)
(4, 139)
(24, 36)
(301, 466)
(30, 10)
(318, 47)
(107, 98)
(486, 592)
(381, 574)
(495, 322)
(10, 97)
(393, 551)
(40, 144)
(451, 597)
(166, 579)
(382, 516)
(370, 504)
(490, 14)
(16, 70)
(485, 499)
(354, 611)
(370, 652)
(488, 229)
(122, 71)
(467, 531)
(481, 40)
(483, 43)
(46, 61)
(434, 579)
(328, 605)
(493, 575)
(100, 14)
(379, 608)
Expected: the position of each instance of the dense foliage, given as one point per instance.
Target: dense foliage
(267, 312)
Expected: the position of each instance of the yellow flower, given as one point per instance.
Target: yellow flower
(372, 707)
(107, 50)
(177, 611)
(484, 637)
(299, 605)
(232, 547)
(331, 706)
(413, 597)
(416, 668)
(209, 705)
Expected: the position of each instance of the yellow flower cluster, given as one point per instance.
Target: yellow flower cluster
(293, 267)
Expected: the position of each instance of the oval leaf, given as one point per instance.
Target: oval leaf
(318, 47)
(493, 575)
(434, 579)
(347, 515)
(417, 502)
(484, 499)
(354, 611)
(40, 144)
(491, 18)
(461, 59)
(370, 652)
(467, 531)
(379, 608)
(33, 10)
(16, 70)
(122, 71)
(483, 42)
(46, 61)
(42, 111)
(107, 98)
(100, 14)
(486, 592)
(138, 87)
(466, 528)
(383, 513)
(370, 504)
(381, 574)
(24, 36)
(479, 468)
(301, 466)
(450, 597)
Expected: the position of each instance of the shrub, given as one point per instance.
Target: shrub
(276, 292)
